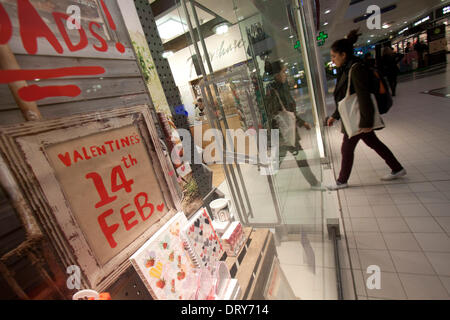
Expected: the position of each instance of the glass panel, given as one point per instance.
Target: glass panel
(274, 41)
(257, 68)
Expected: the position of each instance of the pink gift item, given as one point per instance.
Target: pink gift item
(202, 240)
(233, 238)
(205, 286)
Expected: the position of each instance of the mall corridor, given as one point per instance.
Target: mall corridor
(402, 226)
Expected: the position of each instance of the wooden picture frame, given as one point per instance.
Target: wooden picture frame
(25, 150)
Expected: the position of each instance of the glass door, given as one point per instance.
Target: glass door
(248, 71)
(276, 60)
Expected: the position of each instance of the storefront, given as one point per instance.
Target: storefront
(429, 34)
(108, 177)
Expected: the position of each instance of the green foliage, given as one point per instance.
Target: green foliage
(191, 189)
(146, 64)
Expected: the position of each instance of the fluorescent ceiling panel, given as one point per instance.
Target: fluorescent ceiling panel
(171, 28)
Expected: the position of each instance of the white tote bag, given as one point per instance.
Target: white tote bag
(286, 123)
(350, 112)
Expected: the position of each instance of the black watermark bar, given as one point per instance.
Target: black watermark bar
(180, 310)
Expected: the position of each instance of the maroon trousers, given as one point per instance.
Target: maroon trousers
(371, 140)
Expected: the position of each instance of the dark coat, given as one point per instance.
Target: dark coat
(361, 84)
(389, 65)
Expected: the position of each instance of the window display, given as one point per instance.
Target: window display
(164, 265)
(203, 240)
(85, 181)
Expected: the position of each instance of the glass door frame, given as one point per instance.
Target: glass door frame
(230, 170)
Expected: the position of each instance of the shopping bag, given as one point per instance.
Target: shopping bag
(350, 112)
(287, 124)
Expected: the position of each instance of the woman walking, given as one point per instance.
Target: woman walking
(279, 102)
(342, 55)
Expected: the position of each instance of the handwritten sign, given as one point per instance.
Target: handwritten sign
(41, 21)
(111, 186)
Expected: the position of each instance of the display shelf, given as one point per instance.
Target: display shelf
(252, 266)
(233, 262)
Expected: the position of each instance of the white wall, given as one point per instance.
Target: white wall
(224, 51)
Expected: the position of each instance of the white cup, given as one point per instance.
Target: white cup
(220, 209)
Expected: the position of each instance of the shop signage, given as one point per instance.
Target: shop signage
(228, 51)
(443, 11)
(101, 179)
(43, 28)
(322, 38)
(421, 21)
(403, 30)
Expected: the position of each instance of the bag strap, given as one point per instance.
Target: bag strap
(279, 99)
(349, 80)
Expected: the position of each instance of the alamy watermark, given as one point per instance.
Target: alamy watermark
(374, 280)
(74, 20)
(241, 147)
(74, 280)
(374, 21)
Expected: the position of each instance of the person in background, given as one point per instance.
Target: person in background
(421, 48)
(342, 55)
(278, 97)
(200, 112)
(368, 60)
(408, 48)
(390, 68)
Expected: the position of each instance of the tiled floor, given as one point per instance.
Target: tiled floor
(403, 226)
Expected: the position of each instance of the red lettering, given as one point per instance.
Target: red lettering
(138, 139)
(132, 160)
(93, 151)
(125, 141)
(76, 156)
(127, 216)
(117, 172)
(35, 92)
(103, 42)
(101, 190)
(33, 27)
(132, 140)
(86, 155)
(65, 159)
(117, 144)
(146, 204)
(110, 143)
(60, 19)
(108, 231)
(101, 150)
(5, 26)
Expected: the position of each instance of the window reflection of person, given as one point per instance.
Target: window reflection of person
(279, 90)
(200, 112)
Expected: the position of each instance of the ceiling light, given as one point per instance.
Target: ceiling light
(327, 11)
(386, 26)
(221, 28)
(171, 28)
(167, 54)
(291, 36)
(325, 24)
(285, 28)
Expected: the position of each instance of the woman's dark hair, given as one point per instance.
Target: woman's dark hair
(346, 45)
(274, 67)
